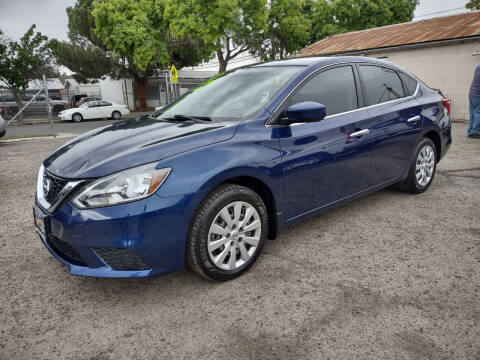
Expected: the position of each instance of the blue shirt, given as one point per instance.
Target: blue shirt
(475, 88)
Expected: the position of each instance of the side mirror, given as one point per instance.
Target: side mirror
(307, 111)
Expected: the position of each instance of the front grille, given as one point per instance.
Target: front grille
(55, 186)
(122, 258)
(65, 251)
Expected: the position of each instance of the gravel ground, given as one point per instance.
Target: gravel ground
(390, 276)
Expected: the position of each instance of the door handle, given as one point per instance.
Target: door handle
(360, 133)
(414, 119)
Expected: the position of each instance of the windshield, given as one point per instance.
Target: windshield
(84, 105)
(232, 95)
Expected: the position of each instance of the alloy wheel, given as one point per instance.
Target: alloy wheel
(425, 165)
(234, 235)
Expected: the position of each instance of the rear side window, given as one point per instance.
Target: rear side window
(381, 84)
(334, 88)
(409, 83)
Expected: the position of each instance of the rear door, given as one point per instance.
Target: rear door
(106, 108)
(325, 161)
(397, 121)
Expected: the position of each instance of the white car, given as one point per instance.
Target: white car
(95, 110)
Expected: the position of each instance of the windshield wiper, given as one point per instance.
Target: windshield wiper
(180, 117)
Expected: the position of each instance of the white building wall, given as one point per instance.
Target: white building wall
(447, 67)
(118, 91)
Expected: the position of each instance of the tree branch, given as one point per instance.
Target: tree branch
(234, 54)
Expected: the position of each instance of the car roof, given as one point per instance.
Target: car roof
(322, 60)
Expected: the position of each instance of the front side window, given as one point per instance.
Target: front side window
(233, 95)
(335, 88)
(381, 84)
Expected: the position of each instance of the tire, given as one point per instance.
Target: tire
(116, 115)
(77, 117)
(203, 231)
(416, 183)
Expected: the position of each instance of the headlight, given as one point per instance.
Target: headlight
(129, 185)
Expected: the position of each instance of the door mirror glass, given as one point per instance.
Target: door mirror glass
(307, 111)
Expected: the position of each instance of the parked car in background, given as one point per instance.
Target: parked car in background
(86, 99)
(3, 125)
(76, 98)
(233, 162)
(37, 107)
(95, 110)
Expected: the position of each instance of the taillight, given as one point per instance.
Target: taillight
(448, 104)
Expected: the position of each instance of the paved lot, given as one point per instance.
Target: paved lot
(390, 276)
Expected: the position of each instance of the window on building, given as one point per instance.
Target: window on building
(381, 84)
(335, 88)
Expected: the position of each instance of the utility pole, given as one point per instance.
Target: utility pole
(49, 109)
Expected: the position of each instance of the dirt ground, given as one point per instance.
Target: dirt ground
(389, 276)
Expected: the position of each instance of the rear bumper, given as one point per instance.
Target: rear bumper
(151, 233)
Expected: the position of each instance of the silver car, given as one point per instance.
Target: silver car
(37, 107)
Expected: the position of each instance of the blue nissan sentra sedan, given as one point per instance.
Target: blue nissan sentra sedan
(232, 162)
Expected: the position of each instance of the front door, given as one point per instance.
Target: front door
(329, 160)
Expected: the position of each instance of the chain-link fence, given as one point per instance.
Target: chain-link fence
(38, 108)
(38, 104)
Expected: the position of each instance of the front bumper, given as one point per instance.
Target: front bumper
(148, 235)
(65, 117)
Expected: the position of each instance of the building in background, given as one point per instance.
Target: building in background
(116, 91)
(160, 91)
(443, 52)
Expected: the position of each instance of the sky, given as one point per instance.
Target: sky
(51, 18)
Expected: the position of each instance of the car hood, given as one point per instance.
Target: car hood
(131, 143)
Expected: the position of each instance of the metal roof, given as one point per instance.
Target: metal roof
(417, 32)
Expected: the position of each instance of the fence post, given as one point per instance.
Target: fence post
(50, 117)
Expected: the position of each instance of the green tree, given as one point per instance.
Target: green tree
(340, 16)
(85, 54)
(473, 5)
(226, 28)
(124, 39)
(289, 28)
(135, 34)
(22, 61)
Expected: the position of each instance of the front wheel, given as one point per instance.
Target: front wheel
(422, 170)
(227, 233)
(77, 117)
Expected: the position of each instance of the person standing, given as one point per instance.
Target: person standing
(474, 123)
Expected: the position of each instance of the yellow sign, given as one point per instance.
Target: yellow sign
(174, 72)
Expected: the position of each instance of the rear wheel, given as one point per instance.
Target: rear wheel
(77, 117)
(227, 233)
(422, 170)
(116, 115)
